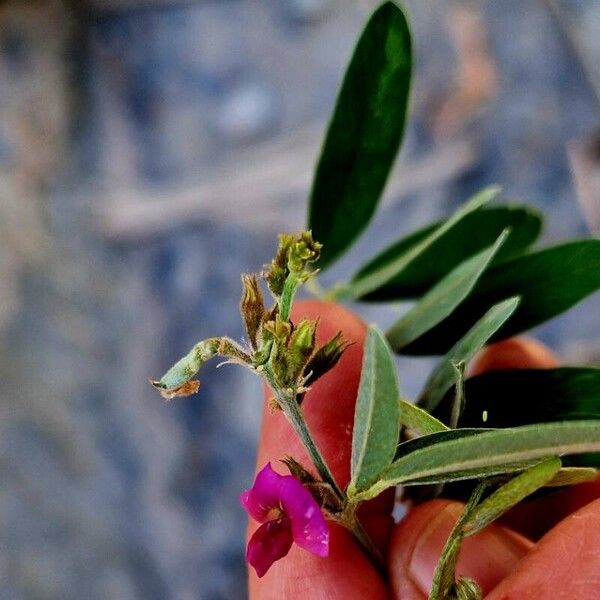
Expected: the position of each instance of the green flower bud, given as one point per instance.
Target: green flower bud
(294, 253)
(467, 589)
(303, 251)
(300, 348)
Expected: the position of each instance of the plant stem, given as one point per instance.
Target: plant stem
(292, 410)
(286, 299)
(288, 402)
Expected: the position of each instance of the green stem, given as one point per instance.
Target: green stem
(291, 408)
(289, 404)
(290, 287)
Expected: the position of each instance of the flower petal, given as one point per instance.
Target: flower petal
(270, 542)
(263, 496)
(287, 494)
(309, 528)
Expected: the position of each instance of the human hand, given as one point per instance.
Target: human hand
(508, 563)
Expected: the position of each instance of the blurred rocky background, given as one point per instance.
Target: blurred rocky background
(150, 150)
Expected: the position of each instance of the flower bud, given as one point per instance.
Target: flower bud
(300, 348)
(276, 273)
(252, 307)
(467, 589)
(303, 251)
(325, 358)
(294, 253)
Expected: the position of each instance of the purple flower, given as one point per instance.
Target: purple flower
(288, 513)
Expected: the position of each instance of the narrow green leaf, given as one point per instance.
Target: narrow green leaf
(443, 376)
(479, 473)
(458, 404)
(377, 413)
(444, 435)
(549, 282)
(375, 279)
(443, 298)
(490, 449)
(469, 236)
(573, 476)
(419, 420)
(364, 134)
(510, 494)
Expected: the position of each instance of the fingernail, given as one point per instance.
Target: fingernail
(486, 557)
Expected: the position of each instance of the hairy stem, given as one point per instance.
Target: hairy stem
(287, 296)
(349, 520)
(291, 408)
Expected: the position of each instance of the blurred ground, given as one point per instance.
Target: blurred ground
(149, 153)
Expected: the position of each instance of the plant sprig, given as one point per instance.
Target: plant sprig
(474, 278)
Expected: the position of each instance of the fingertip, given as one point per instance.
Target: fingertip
(565, 563)
(514, 353)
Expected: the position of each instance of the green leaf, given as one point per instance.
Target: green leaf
(377, 414)
(510, 494)
(458, 404)
(515, 397)
(369, 282)
(364, 134)
(419, 420)
(478, 454)
(429, 440)
(443, 298)
(444, 435)
(573, 476)
(548, 281)
(467, 237)
(444, 375)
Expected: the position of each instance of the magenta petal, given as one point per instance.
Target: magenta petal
(263, 496)
(270, 542)
(286, 494)
(309, 528)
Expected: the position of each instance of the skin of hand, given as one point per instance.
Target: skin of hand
(548, 548)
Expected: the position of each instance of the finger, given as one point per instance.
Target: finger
(515, 353)
(533, 518)
(329, 411)
(564, 564)
(418, 540)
